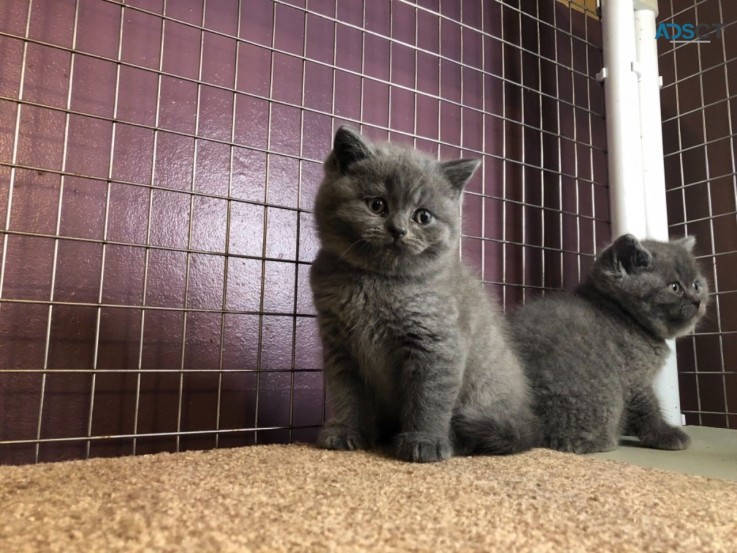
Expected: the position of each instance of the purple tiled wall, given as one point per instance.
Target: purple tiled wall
(699, 102)
(158, 166)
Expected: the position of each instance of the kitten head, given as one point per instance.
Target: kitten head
(389, 209)
(659, 283)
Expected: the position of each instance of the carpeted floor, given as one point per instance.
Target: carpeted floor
(279, 498)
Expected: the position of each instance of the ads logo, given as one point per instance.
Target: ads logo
(689, 32)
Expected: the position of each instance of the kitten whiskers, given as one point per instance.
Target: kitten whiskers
(348, 248)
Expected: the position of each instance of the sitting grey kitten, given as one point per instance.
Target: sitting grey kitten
(413, 350)
(591, 357)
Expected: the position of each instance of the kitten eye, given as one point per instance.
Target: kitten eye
(377, 205)
(676, 288)
(696, 285)
(423, 216)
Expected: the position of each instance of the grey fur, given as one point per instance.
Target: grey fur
(592, 356)
(414, 352)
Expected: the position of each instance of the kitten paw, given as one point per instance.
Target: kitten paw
(671, 439)
(342, 438)
(419, 447)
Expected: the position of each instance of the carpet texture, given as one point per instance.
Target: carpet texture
(298, 498)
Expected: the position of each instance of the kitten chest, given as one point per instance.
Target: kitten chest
(378, 317)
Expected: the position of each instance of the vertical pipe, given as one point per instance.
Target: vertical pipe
(622, 114)
(653, 174)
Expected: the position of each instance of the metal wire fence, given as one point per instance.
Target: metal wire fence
(158, 165)
(699, 117)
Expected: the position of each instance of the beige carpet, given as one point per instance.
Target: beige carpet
(279, 498)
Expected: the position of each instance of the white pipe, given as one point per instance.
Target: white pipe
(627, 201)
(653, 174)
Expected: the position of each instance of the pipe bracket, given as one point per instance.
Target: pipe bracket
(637, 69)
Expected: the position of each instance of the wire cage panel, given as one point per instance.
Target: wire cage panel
(159, 161)
(699, 101)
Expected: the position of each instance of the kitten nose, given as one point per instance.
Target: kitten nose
(397, 232)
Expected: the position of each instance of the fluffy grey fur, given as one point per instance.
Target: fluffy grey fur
(414, 352)
(592, 356)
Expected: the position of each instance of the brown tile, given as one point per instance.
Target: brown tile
(710, 321)
(711, 392)
(714, 86)
(66, 405)
(720, 157)
(115, 404)
(668, 102)
(119, 340)
(727, 272)
(713, 420)
(493, 261)
(667, 69)
(730, 386)
(689, 91)
(708, 352)
(571, 271)
(693, 419)
(273, 408)
(729, 351)
(17, 454)
(533, 266)
(722, 195)
(672, 164)
(696, 200)
(513, 264)
(674, 204)
(725, 235)
(702, 231)
(728, 310)
(716, 121)
(685, 354)
(688, 391)
(671, 139)
(553, 271)
(691, 128)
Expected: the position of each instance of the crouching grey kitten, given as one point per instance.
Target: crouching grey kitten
(592, 356)
(414, 352)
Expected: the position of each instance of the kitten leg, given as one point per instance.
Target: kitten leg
(350, 427)
(645, 420)
(582, 424)
(353, 423)
(430, 382)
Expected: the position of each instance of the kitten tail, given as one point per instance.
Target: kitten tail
(478, 433)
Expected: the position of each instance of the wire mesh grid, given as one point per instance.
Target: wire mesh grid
(699, 127)
(158, 163)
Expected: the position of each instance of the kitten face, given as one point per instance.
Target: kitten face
(657, 282)
(388, 209)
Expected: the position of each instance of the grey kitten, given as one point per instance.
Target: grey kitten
(592, 356)
(413, 350)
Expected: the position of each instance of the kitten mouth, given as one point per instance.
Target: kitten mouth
(397, 245)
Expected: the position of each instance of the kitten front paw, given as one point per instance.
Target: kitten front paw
(340, 437)
(671, 439)
(420, 447)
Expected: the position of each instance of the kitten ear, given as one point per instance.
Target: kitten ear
(628, 254)
(348, 148)
(687, 243)
(459, 172)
